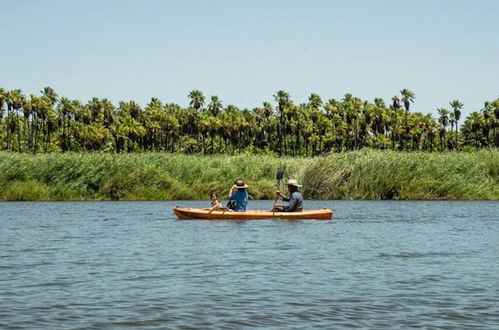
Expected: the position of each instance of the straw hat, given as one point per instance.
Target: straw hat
(241, 185)
(293, 182)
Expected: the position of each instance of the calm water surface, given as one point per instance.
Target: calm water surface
(103, 265)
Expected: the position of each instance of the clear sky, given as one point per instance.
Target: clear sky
(245, 51)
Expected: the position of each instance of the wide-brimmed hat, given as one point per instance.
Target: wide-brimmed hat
(241, 185)
(293, 182)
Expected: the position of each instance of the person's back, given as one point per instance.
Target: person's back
(241, 199)
(240, 196)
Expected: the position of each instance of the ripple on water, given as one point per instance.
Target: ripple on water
(376, 265)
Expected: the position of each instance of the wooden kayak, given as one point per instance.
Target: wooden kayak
(200, 214)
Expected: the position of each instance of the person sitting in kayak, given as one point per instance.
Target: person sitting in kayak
(295, 199)
(215, 203)
(240, 197)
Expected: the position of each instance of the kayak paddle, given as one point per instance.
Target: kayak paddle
(278, 177)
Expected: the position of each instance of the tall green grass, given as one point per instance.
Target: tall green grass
(145, 176)
(374, 175)
(159, 176)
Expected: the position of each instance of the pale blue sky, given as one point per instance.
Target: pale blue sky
(244, 51)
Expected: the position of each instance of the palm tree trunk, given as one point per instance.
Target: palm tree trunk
(204, 144)
(297, 142)
(7, 125)
(212, 143)
(48, 141)
(19, 139)
(31, 134)
(37, 137)
(26, 132)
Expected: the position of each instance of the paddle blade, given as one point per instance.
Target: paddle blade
(279, 175)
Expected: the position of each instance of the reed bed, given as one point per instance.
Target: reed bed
(365, 174)
(144, 176)
(378, 175)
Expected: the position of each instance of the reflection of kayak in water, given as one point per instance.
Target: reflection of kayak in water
(200, 214)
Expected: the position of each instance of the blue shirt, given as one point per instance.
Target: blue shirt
(241, 198)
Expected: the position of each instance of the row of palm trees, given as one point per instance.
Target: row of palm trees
(49, 123)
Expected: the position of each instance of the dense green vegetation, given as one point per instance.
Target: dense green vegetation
(362, 149)
(364, 174)
(146, 176)
(374, 175)
(49, 123)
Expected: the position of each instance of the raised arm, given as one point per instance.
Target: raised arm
(231, 190)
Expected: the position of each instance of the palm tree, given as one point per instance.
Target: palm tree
(456, 108)
(153, 120)
(475, 123)
(40, 107)
(154, 103)
(429, 128)
(108, 111)
(135, 132)
(214, 125)
(324, 125)
(352, 111)
(47, 123)
(489, 122)
(132, 108)
(66, 109)
(3, 100)
(95, 107)
(51, 125)
(396, 102)
(15, 102)
(283, 101)
(407, 97)
(50, 94)
(267, 109)
(204, 126)
(379, 102)
(314, 101)
(197, 99)
(495, 106)
(120, 133)
(49, 117)
(215, 106)
(268, 123)
(444, 122)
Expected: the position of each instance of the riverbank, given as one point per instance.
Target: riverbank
(366, 174)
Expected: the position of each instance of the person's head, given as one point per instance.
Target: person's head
(214, 196)
(292, 185)
(240, 185)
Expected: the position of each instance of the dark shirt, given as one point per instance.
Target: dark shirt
(295, 202)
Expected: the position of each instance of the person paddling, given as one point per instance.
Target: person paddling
(295, 199)
(240, 196)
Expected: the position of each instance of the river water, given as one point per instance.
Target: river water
(107, 265)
